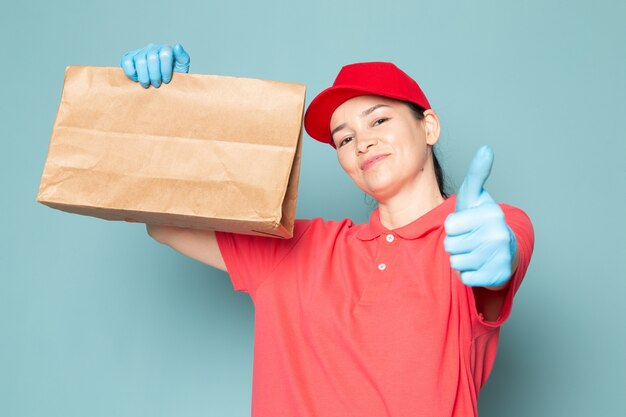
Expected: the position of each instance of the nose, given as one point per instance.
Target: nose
(365, 142)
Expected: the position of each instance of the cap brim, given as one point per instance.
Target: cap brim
(321, 109)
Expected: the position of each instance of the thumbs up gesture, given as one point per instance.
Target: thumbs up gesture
(481, 245)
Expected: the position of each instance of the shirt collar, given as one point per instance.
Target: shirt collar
(424, 224)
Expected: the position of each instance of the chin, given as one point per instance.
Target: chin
(378, 190)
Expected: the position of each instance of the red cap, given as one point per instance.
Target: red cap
(364, 78)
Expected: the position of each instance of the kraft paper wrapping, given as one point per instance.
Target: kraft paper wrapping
(204, 151)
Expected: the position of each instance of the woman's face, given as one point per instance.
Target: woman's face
(382, 146)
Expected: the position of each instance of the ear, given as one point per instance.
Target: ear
(431, 127)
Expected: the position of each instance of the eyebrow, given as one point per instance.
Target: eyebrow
(363, 114)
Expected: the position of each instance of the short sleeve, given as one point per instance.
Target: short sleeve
(250, 259)
(522, 228)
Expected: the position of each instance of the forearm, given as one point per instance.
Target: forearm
(200, 245)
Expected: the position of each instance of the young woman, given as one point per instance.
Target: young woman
(399, 316)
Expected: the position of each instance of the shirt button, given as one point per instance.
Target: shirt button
(382, 267)
(390, 238)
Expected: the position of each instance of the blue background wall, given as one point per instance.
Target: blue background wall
(97, 319)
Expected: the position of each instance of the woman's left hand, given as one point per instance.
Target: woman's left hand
(481, 245)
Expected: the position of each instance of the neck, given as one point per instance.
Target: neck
(410, 204)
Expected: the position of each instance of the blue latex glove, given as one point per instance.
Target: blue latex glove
(154, 64)
(481, 245)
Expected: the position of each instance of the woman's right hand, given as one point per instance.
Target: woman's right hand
(154, 64)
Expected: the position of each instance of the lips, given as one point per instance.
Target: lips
(368, 163)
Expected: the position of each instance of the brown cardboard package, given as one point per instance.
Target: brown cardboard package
(208, 152)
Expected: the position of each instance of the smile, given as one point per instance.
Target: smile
(368, 163)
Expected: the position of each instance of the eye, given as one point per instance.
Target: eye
(380, 121)
(345, 141)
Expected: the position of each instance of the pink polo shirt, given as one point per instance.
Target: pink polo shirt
(359, 320)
